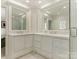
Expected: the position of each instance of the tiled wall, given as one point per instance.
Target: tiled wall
(51, 47)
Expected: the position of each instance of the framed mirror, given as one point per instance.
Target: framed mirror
(18, 19)
(57, 23)
(56, 17)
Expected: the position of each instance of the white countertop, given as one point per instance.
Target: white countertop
(54, 35)
(45, 34)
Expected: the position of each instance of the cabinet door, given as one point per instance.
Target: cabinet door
(36, 42)
(28, 41)
(60, 48)
(46, 44)
(18, 43)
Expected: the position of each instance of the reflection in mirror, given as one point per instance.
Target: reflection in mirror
(57, 16)
(49, 24)
(18, 19)
(45, 22)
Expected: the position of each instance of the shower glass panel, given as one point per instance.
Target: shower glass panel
(18, 19)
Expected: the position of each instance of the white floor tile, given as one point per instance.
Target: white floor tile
(32, 56)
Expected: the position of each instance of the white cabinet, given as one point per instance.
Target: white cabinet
(36, 41)
(43, 42)
(18, 43)
(37, 38)
(36, 44)
(46, 44)
(22, 42)
(51, 47)
(60, 48)
(43, 45)
(28, 41)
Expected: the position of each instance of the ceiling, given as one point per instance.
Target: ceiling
(61, 8)
(53, 7)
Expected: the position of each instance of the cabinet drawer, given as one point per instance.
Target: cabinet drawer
(37, 37)
(37, 44)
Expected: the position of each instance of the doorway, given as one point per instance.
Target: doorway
(3, 31)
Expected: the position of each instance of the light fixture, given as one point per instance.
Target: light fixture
(16, 3)
(45, 26)
(64, 7)
(27, 1)
(21, 14)
(57, 0)
(39, 1)
(47, 12)
(46, 5)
